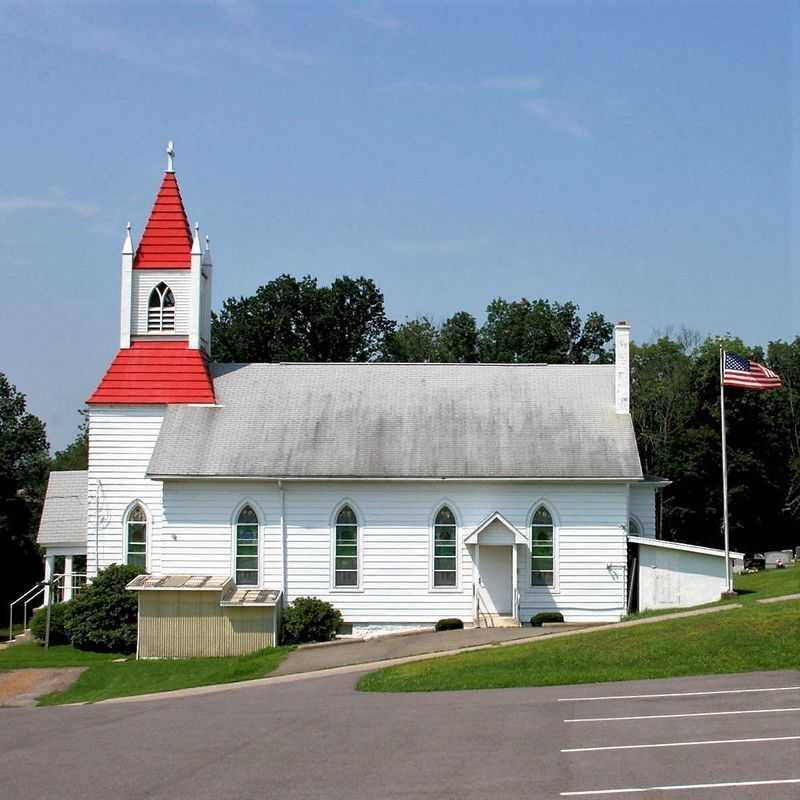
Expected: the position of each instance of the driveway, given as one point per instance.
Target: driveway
(317, 738)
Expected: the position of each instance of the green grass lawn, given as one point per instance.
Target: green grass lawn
(104, 679)
(756, 637)
(767, 583)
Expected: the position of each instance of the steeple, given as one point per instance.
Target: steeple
(166, 242)
(165, 310)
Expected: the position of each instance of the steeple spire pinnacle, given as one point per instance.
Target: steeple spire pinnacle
(170, 157)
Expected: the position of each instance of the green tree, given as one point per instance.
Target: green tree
(298, 320)
(23, 469)
(458, 339)
(541, 331)
(416, 340)
(76, 454)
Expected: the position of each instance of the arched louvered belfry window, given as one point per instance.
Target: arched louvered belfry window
(542, 548)
(161, 309)
(136, 537)
(444, 548)
(346, 566)
(247, 541)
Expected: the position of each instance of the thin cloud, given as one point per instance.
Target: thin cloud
(518, 83)
(376, 16)
(544, 111)
(53, 202)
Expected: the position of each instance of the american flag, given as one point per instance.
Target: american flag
(744, 374)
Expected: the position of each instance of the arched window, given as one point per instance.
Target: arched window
(161, 309)
(246, 548)
(542, 548)
(346, 566)
(136, 538)
(444, 548)
(634, 528)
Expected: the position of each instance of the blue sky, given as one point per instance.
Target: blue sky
(633, 157)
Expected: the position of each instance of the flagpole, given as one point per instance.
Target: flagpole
(728, 577)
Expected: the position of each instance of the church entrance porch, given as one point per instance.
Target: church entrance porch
(494, 546)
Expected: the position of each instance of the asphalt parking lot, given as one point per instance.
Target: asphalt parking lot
(732, 737)
(735, 736)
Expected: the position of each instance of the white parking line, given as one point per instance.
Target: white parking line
(676, 788)
(695, 714)
(675, 694)
(678, 744)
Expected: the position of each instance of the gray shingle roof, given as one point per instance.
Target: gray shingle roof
(64, 512)
(402, 421)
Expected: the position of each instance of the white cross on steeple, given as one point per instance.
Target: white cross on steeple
(170, 156)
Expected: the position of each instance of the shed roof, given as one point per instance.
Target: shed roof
(663, 544)
(402, 421)
(64, 513)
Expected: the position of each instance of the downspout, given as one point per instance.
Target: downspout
(97, 527)
(284, 557)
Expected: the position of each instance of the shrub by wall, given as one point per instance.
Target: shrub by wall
(449, 624)
(58, 612)
(103, 616)
(546, 616)
(309, 619)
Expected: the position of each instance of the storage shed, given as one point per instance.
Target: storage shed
(191, 616)
(673, 574)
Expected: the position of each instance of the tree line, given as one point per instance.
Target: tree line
(674, 396)
(674, 389)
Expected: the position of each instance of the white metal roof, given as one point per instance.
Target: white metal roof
(64, 512)
(402, 421)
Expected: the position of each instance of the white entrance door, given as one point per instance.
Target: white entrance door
(496, 578)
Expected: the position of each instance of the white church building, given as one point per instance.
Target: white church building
(400, 493)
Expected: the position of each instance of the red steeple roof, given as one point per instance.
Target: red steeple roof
(155, 372)
(167, 237)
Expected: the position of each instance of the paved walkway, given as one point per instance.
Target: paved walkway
(388, 648)
(779, 599)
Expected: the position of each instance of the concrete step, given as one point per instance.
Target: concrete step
(500, 621)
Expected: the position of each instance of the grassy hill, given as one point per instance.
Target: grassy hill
(754, 637)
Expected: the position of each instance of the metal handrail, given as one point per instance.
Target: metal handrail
(23, 596)
(31, 594)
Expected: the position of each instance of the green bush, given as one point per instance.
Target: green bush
(546, 616)
(58, 613)
(309, 619)
(104, 615)
(449, 624)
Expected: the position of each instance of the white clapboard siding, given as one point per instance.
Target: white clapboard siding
(143, 283)
(643, 507)
(395, 527)
(121, 440)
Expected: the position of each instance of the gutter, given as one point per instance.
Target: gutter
(379, 479)
(284, 557)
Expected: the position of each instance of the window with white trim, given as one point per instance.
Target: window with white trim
(161, 309)
(136, 538)
(542, 548)
(246, 573)
(444, 548)
(346, 557)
